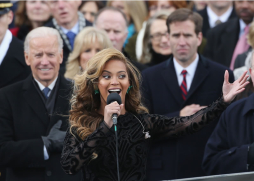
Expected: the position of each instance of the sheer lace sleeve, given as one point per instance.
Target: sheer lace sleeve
(161, 126)
(77, 153)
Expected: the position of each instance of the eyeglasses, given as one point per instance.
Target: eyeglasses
(158, 36)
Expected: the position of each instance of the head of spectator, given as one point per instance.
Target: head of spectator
(32, 14)
(135, 11)
(185, 35)
(65, 12)
(156, 40)
(155, 6)
(6, 17)
(90, 9)
(245, 10)
(44, 54)
(88, 42)
(220, 7)
(198, 5)
(115, 23)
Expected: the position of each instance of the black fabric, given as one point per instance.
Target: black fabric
(221, 42)
(13, 67)
(157, 58)
(24, 119)
(133, 147)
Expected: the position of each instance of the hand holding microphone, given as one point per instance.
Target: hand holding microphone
(113, 108)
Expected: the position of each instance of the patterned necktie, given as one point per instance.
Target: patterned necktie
(71, 36)
(46, 92)
(241, 47)
(184, 85)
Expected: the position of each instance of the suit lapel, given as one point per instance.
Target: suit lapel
(62, 102)
(200, 75)
(33, 98)
(170, 79)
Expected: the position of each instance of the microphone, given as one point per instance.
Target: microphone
(111, 98)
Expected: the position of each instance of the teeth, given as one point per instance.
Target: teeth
(114, 90)
(44, 69)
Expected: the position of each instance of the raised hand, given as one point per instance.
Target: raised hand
(230, 90)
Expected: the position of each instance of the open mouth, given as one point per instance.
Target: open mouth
(114, 90)
(44, 69)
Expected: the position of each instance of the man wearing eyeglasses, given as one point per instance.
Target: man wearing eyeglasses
(181, 86)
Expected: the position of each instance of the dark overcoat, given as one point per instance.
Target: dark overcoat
(180, 158)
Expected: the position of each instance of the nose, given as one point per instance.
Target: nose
(182, 41)
(60, 3)
(111, 35)
(38, 4)
(245, 4)
(114, 80)
(44, 60)
(164, 38)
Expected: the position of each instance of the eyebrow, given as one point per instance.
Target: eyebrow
(110, 72)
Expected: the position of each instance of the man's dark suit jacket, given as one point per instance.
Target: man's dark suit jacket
(206, 25)
(181, 158)
(221, 41)
(13, 68)
(24, 119)
(66, 50)
(227, 148)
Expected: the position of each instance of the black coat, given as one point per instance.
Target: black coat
(180, 158)
(221, 41)
(206, 24)
(24, 119)
(14, 68)
(227, 148)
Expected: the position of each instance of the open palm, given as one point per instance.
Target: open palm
(230, 90)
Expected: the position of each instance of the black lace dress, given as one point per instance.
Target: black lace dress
(133, 146)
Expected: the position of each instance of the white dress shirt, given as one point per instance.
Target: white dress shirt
(212, 17)
(4, 46)
(191, 69)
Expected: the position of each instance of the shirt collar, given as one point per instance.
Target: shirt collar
(51, 86)
(190, 69)
(74, 29)
(214, 17)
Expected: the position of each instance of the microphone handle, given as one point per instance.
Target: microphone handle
(114, 118)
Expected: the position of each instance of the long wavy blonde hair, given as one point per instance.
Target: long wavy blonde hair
(87, 37)
(84, 116)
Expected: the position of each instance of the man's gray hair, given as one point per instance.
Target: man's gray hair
(43, 32)
(110, 8)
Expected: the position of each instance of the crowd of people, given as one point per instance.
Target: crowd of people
(183, 71)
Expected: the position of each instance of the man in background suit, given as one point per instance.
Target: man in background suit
(69, 22)
(222, 39)
(12, 63)
(216, 12)
(33, 113)
(181, 86)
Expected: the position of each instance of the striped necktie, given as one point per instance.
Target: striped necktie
(184, 85)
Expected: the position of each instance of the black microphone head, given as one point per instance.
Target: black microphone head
(114, 97)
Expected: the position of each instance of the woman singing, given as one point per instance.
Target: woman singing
(90, 143)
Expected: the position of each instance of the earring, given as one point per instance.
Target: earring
(128, 90)
(96, 91)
